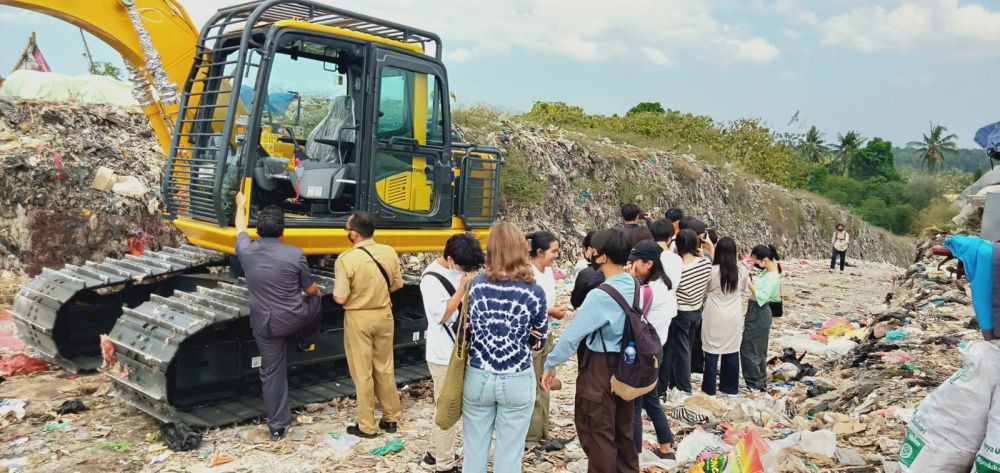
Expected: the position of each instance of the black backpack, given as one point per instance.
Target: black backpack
(632, 381)
(452, 327)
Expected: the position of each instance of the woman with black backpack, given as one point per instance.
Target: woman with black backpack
(765, 289)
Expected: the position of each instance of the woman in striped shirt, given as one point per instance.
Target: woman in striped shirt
(695, 275)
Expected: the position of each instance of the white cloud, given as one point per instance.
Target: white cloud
(660, 32)
(12, 15)
(917, 26)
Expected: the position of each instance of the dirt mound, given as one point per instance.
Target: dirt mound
(50, 154)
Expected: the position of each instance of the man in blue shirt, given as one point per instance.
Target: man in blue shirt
(284, 301)
(603, 420)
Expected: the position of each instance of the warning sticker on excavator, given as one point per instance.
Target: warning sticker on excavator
(314, 191)
(255, 362)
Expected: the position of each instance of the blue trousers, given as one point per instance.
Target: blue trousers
(500, 404)
(650, 402)
(730, 382)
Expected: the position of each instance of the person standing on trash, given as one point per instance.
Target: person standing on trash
(722, 320)
(839, 242)
(365, 276)
(695, 275)
(588, 278)
(663, 235)
(764, 289)
(544, 251)
(284, 302)
(646, 266)
(443, 286)
(603, 419)
(507, 320)
(634, 230)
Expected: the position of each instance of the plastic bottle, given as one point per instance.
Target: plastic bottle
(630, 353)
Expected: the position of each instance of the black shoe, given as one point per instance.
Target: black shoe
(429, 463)
(357, 432)
(277, 434)
(389, 427)
(302, 347)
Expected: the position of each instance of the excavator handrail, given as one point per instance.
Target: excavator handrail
(262, 12)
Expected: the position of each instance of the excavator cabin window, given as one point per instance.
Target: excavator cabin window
(307, 157)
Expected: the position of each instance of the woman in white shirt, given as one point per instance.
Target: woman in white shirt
(442, 287)
(722, 320)
(544, 253)
(659, 296)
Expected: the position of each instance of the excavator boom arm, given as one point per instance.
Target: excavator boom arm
(171, 31)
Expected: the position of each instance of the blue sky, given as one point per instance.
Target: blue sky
(885, 68)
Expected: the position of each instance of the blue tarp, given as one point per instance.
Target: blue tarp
(977, 255)
(277, 103)
(989, 136)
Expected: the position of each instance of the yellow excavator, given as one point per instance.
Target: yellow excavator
(298, 104)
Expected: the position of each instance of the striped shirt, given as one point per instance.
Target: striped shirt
(695, 277)
(502, 315)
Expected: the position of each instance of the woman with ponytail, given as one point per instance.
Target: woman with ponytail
(765, 288)
(544, 250)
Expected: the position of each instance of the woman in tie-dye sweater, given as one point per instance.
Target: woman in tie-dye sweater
(507, 316)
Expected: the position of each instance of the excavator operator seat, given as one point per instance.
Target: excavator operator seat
(336, 130)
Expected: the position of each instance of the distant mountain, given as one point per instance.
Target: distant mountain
(967, 160)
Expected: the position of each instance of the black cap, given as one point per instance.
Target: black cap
(646, 250)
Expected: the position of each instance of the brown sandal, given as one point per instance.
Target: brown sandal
(671, 455)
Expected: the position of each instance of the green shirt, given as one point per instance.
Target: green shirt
(767, 288)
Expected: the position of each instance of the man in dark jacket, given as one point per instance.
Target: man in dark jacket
(635, 230)
(588, 278)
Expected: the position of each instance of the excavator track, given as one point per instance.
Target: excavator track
(191, 357)
(63, 313)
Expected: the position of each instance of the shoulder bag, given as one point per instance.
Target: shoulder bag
(449, 404)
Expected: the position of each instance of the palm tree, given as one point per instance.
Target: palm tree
(846, 145)
(931, 150)
(813, 148)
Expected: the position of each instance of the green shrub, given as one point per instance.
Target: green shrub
(519, 186)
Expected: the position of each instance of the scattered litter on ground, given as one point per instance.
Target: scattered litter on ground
(390, 447)
(56, 426)
(219, 459)
(180, 437)
(71, 406)
(116, 446)
(20, 365)
(342, 444)
(13, 407)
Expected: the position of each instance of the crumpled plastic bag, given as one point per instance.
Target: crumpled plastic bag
(13, 406)
(20, 365)
(180, 437)
(700, 444)
(129, 186)
(392, 446)
(745, 457)
(341, 444)
(71, 406)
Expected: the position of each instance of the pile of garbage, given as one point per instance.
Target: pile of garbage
(585, 181)
(78, 181)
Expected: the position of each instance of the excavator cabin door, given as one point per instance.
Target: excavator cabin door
(409, 163)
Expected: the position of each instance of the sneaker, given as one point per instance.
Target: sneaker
(277, 434)
(357, 432)
(302, 347)
(390, 427)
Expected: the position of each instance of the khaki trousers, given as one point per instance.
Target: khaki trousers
(368, 341)
(539, 428)
(442, 441)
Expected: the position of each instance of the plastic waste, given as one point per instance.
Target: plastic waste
(894, 336)
(54, 426)
(21, 365)
(948, 430)
(745, 457)
(13, 406)
(897, 357)
(180, 437)
(219, 459)
(13, 464)
(341, 443)
(700, 444)
(821, 442)
(116, 446)
(71, 406)
(392, 446)
(129, 186)
(160, 458)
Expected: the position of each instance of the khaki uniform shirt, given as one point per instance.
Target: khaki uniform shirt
(358, 279)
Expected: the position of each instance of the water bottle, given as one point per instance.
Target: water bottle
(630, 353)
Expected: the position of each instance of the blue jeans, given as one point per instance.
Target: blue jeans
(501, 404)
(651, 404)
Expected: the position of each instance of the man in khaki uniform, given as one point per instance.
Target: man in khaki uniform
(365, 275)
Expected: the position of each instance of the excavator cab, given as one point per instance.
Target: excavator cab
(335, 112)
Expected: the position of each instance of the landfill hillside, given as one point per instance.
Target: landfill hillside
(51, 154)
(570, 183)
